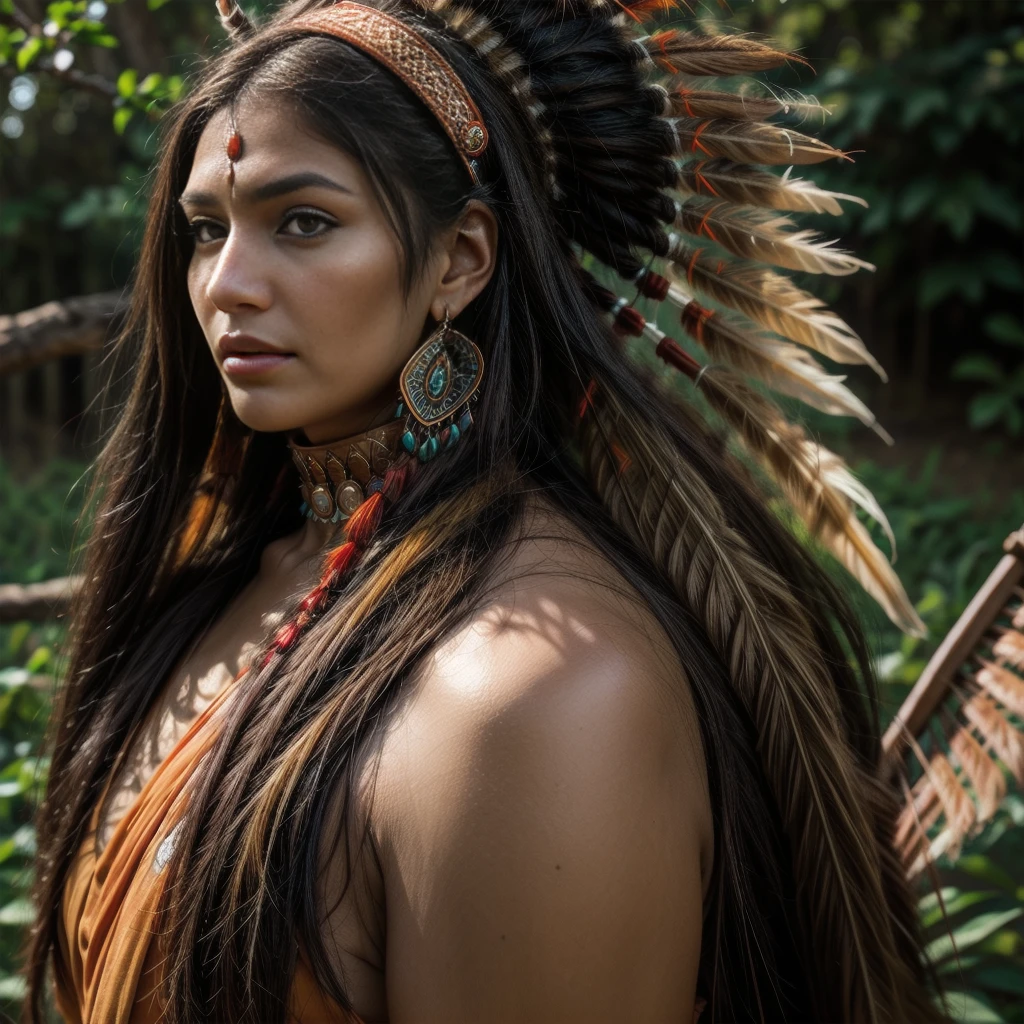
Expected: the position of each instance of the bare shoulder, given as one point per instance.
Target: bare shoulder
(542, 804)
(560, 640)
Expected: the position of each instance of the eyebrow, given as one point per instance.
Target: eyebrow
(270, 190)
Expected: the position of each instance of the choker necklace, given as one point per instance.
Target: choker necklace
(337, 477)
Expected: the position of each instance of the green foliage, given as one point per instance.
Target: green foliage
(36, 533)
(1003, 401)
(946, 544)
(974, 922)
(67, 28)
(38, 523)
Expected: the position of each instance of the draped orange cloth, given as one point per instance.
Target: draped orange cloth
(110, 903)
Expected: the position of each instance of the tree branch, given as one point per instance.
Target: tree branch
(63, 327)
(23, 20)
(37, 602)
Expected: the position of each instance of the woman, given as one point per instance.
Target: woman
(532, 711)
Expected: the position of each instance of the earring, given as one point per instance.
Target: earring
(438, 384)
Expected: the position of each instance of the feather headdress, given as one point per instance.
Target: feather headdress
(730, 237)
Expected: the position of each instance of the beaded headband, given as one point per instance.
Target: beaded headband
(404, 52)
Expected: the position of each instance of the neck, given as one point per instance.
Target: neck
(353, 422)
(337, 476)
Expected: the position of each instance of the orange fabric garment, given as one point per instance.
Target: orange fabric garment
(110, 903)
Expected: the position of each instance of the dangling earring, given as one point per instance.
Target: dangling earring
(438, 383)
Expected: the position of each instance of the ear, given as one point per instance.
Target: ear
(470, 249)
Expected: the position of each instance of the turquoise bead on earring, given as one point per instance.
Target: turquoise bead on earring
(453, 436)
(428, 449)
(409, 441)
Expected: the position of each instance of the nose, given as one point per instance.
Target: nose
(238, 278)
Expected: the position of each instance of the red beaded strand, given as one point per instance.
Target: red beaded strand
(628, 320)
(359, 532)
(652, 285)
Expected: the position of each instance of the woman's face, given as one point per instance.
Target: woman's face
(298, 254)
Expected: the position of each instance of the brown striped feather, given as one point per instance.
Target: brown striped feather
(751, 186)
(780, 365)
(986, 778)
(750, 142)
(1010, 648)
(1004, 685)
(754, 234)
(818, 485)
(720, 55)
(771, 300)
(957, 806)
(1004, 739)
(739, 106)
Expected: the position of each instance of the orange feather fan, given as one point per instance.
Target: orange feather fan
(959, 729)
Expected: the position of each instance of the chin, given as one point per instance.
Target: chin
(261, 412)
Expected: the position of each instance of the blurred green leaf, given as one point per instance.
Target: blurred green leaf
(41, 657)
(971, 933)
(972, 1008)
(121, 118)
(955, 902)
(985, 870)
(923, 102)
(28, 52)
(18, 912)
(1005, 328)
(12, 987)
(978, 368)
(126, 82)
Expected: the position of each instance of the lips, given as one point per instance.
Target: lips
(235, 343)
(243, 355)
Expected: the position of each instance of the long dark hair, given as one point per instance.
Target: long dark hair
(809, 914)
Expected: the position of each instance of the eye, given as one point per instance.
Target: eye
(198, 225)
(306, 219)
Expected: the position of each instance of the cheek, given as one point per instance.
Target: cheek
(196, 282)
(355, 307)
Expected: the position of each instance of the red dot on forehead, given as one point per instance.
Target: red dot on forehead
(234, 146)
